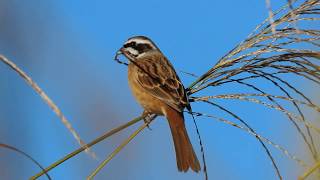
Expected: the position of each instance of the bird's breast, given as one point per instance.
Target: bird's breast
(143, 96)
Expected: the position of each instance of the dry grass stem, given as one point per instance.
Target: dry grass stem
(275, 145)
(268, 152)
(270, 12)
(288, 113)
(118, 149)
(201, 147)
(310, 171)
(237, 96)
(45, 98)
(275, 49)
(92, 143)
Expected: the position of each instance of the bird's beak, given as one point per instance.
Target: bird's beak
(119, 52)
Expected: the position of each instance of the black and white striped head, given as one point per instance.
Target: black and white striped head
(137, 46)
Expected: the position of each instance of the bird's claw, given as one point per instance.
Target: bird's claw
(147, 121)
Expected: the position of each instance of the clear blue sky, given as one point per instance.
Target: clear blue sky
(68, 47)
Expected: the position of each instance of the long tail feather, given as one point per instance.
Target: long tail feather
(185, 155)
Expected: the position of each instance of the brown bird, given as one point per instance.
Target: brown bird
(157, 87)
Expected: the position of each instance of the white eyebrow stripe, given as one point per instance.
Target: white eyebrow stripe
(141, 41)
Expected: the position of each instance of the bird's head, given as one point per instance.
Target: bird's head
(136, 47)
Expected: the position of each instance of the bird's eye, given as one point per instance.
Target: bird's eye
(140, 47)
(143, 47)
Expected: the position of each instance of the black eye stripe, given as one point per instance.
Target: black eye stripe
(131, 44)
(143, 47)
(140, 47)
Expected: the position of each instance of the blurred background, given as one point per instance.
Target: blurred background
(67, 47)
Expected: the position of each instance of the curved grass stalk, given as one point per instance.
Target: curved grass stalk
(275, 145)
(260, 73)
(236, 96)
(312, 150)
(46, 99)
(274, 164)
(24, 154)
(264, 34)
(266, 76)
(294, 116)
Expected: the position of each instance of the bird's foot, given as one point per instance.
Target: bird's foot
(147, 118)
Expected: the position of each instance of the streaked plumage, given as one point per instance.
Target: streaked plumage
(157, 87)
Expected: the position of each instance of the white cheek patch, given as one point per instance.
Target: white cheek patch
(132, 51)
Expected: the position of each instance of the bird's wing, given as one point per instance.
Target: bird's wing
(156, 75)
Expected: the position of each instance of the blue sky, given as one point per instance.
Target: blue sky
(68, 48)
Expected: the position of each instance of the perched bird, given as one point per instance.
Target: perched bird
(157, 87)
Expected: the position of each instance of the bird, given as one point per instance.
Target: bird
(158, 89)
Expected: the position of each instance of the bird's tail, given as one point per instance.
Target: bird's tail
(185, 155)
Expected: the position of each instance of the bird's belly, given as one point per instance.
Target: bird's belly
(145, 99)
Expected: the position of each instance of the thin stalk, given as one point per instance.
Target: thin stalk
(25, 155)
(116, 151)
(310, 171)
(81, 149)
